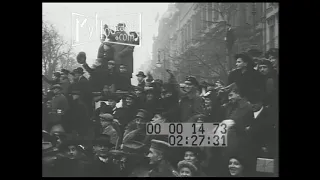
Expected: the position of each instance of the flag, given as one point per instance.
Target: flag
(157, 17)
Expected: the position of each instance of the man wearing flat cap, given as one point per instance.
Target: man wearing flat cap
(191, 104)
(107, 125)
(158, 159)
(59, 106)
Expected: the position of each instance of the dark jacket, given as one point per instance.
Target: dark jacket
(238, 140)
(142, 84)
(123, 81)
(263, 133)
(271, 91)
(250, 83)
(123, 54)
(171, 109)
(85, 89)
(106, 55)
(99, 77)
(190, 107)
(125, 115)
(78, 117)
(69, 168)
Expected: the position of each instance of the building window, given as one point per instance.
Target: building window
(215, 12)
(271, 35)
(190, 31)
(204, 17)
(209, 13)
(193, 22)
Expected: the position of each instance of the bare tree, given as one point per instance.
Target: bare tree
(54, 50)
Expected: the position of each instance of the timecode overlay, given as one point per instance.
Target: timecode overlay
(191, 134)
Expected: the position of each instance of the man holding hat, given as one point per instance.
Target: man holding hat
(141, 77)
(158, 159)
(191, 104)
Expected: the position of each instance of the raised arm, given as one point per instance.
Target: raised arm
(87, 68)
(51, 82)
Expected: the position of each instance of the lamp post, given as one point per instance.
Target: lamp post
(159, 64)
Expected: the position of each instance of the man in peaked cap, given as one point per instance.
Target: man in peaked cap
(191, 104)
(136, 129)
(158, 158)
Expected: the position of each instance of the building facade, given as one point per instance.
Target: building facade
(202, 26)
(271, 35)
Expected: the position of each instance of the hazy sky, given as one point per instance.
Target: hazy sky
(60, 14)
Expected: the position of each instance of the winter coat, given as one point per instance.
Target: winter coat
(123, 81)
(78, 119)
(109, 130)
(250, 83)
(106, 55)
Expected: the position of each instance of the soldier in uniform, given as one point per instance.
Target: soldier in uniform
(158, 159)
(136, 129)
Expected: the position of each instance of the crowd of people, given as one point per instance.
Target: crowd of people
(96, 127)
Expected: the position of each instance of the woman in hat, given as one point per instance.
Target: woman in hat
(195, 156)
(248, 80)
(187, 169)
